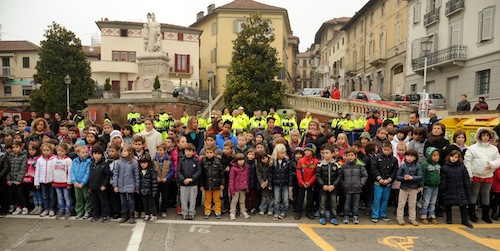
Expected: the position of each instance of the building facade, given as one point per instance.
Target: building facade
(463, 54)
(121, 43)
(304, 71)
(221, 26)
(19, 59)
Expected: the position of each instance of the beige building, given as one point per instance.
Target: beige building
(291, 73)
(121, 43)
(304, 70)
(19, 59)
(376, 47)
(221, 26)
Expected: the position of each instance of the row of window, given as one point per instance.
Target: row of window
(7, 91)
(237, 26)
(181, 62)
(482, 83)
(6, 62)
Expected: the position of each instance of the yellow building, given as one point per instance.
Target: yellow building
(376, 47)
(19, 60)
(291, 73)
(121, 42)
(221, 26)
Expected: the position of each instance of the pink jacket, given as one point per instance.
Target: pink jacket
(496, 181)
(238, 178)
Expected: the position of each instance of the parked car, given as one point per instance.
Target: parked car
(371, 97)
(316, 92)
(434, 100)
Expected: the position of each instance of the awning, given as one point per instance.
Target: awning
(18, 82)
(7, 55)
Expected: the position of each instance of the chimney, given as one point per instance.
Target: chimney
(210, 9)
(199, 15)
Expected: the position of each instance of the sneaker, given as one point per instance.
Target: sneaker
(275, 217)
(245, 215)
(316, 214)
(414, 222)
(386, 219)
(179, 210)
(253, 211)
(67, 215)
(206, 216)
(79, 216)
(86, 216)
(137, 214)
(374, 220)
(11, 209)
(44, 213)
(24, 211)
(297, 216)
(356, 220)
(52, 213)
(425, 221)
(334, 221)
(17, 211)
(152, 218)
(281, 216)
(34, 211)
(232, 216)
(164, 215)
(346, 220)
(262, 213)
(94, 219)
(59, 215)
(434, 221)
(401, 222)
(146, 218)
(105, 219)
(322, 221)
(270, 213)
(218, 216)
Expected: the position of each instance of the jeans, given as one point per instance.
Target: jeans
(37, 196)
(48, 196)
(380, 201)
(280, 196)
(429, 202)
(351, 204)
(128, 202)
(63, 199)
(266, 201)
(324, 195)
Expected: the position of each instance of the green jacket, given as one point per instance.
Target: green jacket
(431, 170)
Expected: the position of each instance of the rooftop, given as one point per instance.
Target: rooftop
(249, 5)
(18, 45)
(107, 23)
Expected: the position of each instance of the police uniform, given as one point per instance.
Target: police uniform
(288, 124)
(304, 123)
(259, 123)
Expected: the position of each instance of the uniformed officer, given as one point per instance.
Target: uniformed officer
(202, 123)
(185, 117)
(391, 114)
(304, 123)
(79, 119)
(257, 121)
(227, 116)
(133, 115)
(288, 123)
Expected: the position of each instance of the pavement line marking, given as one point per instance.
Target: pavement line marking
(136, 238)
(491, 243)
(439, 226)
(169, 238)
(307, 229)
(25, 236)
(227, 223)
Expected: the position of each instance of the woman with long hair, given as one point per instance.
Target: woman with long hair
(193, 134)
(39, 126)
(314, 134)
(152, 136)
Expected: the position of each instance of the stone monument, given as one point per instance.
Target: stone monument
(153, 62)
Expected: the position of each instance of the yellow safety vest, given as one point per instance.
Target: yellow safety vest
(259, 123)
(158, 124)
(133, 115)
(359, 123)
(202, 123)
(227, 117)
(304, 123)
(163, 117)
(185, 120)
(347, 125)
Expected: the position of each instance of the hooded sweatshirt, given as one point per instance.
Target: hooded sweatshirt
(431, 170)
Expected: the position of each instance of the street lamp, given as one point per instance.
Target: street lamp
(67, 80)
(426, 48)
(210, 73)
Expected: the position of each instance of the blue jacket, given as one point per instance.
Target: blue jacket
(80, 171)
(219, 140)
(126, 175)
(412, 169)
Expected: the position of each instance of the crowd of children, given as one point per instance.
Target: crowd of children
(111, 173)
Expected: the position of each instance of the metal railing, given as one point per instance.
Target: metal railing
(431, 16)
(453, 5)
(453, 52)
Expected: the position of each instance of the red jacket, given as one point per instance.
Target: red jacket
(306, 170)
(336, 94)
(496, 181)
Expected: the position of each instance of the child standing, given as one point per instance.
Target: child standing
(98, 183)
(353, 176)
(149, 187)
(212, 182)
(252, 198)
(238, 185)
(114, 198)
(62, 181)
(329, 179)
(226, 159)
(384, 168)
(410, 174)
(165, 171)
(43, 179)
(189, 173)
(80, 172)
(126, 182)
(266, 202)
(430, 183)
(280, 180)
(34, 153)
(306, 176)
(455, 184)
(18, 165)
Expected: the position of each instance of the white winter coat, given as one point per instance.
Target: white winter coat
(480, 154)
(44, 170)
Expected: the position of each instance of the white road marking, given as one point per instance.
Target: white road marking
(169, 238)
(25, 237)
(136, 238)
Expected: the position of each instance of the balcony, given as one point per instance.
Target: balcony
(453, 55)
(334, 73)
(454, 6)
(350, 69)
(431, 17)
(378, 58)
(6, 73)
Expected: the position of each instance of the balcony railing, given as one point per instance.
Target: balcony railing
(454, 52)
(5, 71)
(431, 16)
(453, 6)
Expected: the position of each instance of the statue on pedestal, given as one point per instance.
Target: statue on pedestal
(151, 34)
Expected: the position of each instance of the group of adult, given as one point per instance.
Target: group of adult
(464, 105)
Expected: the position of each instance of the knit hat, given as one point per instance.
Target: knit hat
(49, 134)
(365, 135)
(311, 147)
(115, 133)
(27, 129)
(298, 149)
(277, 129)
(259, 133)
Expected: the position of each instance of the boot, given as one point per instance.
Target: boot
(448, 215)
(486, 214)
(131, 220)
(463, 214)
(124, 217)
(472, 213)
(494, 213)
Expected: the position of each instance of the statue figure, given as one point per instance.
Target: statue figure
(144, 34)
(151, 34)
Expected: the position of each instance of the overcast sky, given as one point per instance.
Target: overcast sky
(28, 19)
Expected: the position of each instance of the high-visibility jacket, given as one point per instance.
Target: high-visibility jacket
(163, 117)
(304, 123)
(139, 127)
(245, 119)
(227, 117)
(395, 120)
(288, 125)
(239, 123)
(159, 125)
(347, 124)
(202, 123)
(169, 123)
(335, 122)
(360, 123)
(185, 119)
(259, 123)
(133, 115)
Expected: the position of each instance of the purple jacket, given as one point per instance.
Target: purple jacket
(238, 178)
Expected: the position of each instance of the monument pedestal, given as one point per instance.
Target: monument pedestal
(150, 65)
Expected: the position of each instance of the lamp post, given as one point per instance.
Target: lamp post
(426, 48)
(67, 80)
(210, 73)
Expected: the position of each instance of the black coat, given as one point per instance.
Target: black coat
(253, 183)
(318, 142)
(99, 174)
(441, 144)
(4, 167)
(455, 184)
(149, 182)
(384, 167)
(213, 174)
(189, 168)
(328, 174)
(281, 174)
(463, 106)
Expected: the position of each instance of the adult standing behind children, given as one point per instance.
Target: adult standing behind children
(194, 135)
(152, 136)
